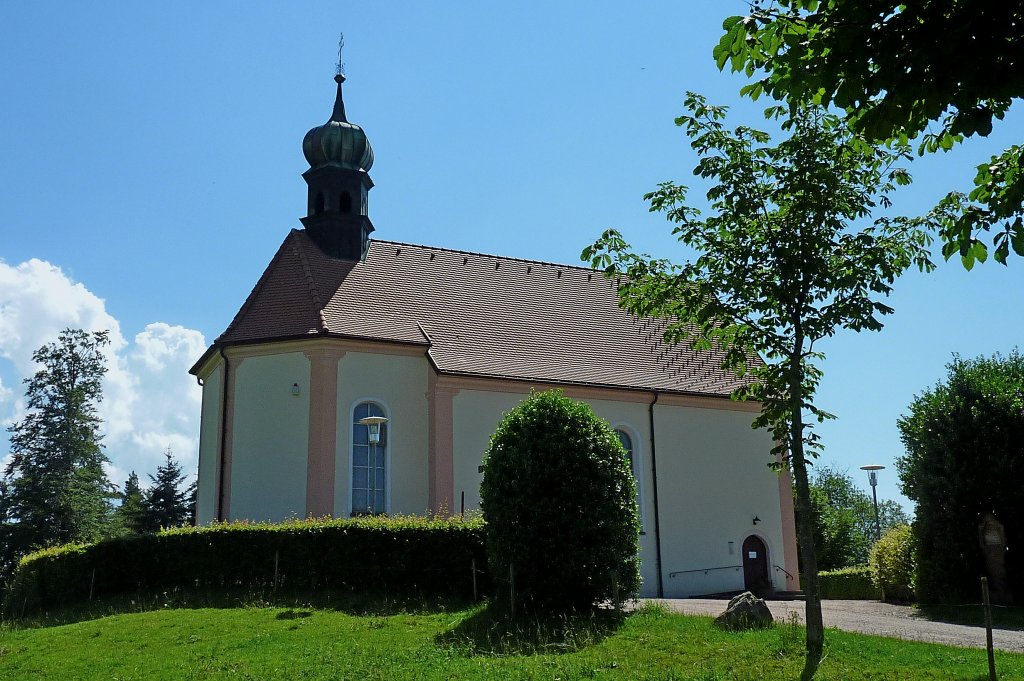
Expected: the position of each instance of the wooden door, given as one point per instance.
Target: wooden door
(755, 566)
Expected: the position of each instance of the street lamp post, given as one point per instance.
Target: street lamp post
(373, 424)
(872, 470)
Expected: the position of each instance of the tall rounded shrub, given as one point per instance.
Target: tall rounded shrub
(559, 500)
(893, 564)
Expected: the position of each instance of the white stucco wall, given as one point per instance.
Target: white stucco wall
(209, 444)
(270, 438)
(475, 417)
(713, 480)
(712, 467)
(399, 384)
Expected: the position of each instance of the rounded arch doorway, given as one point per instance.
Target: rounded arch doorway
(756, 577)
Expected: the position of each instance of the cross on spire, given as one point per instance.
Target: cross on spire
(339, 68)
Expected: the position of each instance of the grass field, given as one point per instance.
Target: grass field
(320, 643)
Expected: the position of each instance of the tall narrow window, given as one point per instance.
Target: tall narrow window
(318, 205)
(627, 444)
(345, 203)
(368, 463)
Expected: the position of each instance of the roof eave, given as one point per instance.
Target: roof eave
(217, 344)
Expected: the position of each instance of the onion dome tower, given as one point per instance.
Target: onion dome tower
(339, 156)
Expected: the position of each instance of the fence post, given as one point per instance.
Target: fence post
(276, 558)
(92, 583)
(472, 567)
(987, 605)
(512, 588)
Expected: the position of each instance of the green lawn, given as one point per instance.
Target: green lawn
(317, 643)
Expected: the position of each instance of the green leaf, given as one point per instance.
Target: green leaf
(979, 251)
(1017, 239)
(730, 22)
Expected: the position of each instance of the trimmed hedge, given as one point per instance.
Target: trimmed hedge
(401, 556)
(852, 583)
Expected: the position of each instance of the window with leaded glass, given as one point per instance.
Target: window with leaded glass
(368, 463)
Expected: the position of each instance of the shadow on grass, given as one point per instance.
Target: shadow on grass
(491, 631)
(296, 604)
(1007, 617)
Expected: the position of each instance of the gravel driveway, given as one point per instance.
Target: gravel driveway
(871, 617)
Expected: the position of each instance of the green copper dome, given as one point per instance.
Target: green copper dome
(338, 142)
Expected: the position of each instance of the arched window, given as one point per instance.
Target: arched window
(627, 443)
(318, 205)
(345, 203)
(368, 463)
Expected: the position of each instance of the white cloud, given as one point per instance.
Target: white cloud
(6, 394)
(150, 401)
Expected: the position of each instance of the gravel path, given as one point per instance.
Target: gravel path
(871, 617)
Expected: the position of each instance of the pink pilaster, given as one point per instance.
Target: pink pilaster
(441, 459)
(323, 436)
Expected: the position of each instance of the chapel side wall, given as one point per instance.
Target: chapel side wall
(209, 447)
(270, 436)
(713, 480)
(476, 414)
(399, 384)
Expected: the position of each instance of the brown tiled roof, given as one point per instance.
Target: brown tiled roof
(477, 315)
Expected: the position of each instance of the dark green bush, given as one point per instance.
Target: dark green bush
(965, 458)
(559, 500)
(402, 556)
(893, 564)
(852, 583)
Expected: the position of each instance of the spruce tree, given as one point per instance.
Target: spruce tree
(55, 488)
(167, 504)
(131, 516)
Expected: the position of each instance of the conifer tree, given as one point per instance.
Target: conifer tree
(131, 516)
(167, 503)
(55, 488)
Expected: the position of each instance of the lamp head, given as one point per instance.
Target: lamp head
(373, 424)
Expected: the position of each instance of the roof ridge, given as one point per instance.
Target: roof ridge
(314, 291)
(484, 255)
(260, 283)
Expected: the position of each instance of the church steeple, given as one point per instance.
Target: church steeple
(339, 157)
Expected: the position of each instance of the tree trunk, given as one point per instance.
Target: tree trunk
(805, 527)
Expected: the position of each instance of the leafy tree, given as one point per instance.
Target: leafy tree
(130, 516)
(778, 267)
(846, 519)
(559, 499)
(167, 499)
(56, 490)
(964, 458)
(896, 68)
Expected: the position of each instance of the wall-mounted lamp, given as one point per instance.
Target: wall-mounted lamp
(295, 389)
(756, 520)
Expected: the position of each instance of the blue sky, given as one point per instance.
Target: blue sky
(152, 161)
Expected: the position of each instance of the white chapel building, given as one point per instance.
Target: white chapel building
(442, 343)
